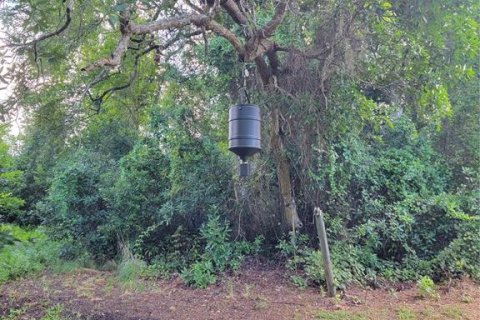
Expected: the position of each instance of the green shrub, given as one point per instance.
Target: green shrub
(350, 263)
(31, 253)
(313, 267)
(10, 180)
(299, 281)
(162, 267)
(146, 195)
(426, 288)
(6, 238)
(219, 253)
(200, 274)
(462, 255)
(164, 186)
(393, 208)
(22, 234)
(222, 253)
(76, 207)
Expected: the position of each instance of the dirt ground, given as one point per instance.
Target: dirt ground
(254, 293)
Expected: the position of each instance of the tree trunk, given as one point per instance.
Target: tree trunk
(268, 74)
(283, 174)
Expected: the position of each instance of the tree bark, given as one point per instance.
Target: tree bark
(289, 205)
(268, 73)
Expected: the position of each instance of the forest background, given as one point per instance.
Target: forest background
(370, 112)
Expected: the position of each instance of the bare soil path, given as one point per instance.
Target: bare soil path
(253, 293)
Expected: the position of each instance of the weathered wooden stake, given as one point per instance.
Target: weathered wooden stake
(327, 264)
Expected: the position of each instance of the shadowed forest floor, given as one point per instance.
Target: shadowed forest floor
(253, 293)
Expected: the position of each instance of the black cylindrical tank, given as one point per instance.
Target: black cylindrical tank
(244, 137)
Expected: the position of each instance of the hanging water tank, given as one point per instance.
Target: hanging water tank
(244, 137)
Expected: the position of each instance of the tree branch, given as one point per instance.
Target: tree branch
(227, 34)
(128, 29)
(256, 46)
(277, 18)
(103, 96)
(234, 11)
(169, 23)
(68, 19)
(115, 58)
(199, 20)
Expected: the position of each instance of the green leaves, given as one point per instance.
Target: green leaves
(10, 179)
(434, 105)
(219, 253)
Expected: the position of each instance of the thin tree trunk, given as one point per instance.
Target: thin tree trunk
(268, 74)
(283, 174)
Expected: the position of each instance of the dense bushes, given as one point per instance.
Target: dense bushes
(218, 253)
(351, 264)
(75, 207)
(198, 260)
(161, 189)
(25, 252)
(391, 210)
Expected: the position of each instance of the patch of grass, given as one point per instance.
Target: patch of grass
(337, 299)
(131, 270)
(13, 314)
(247, 290)
(405, 313)
(261, 303)
(466, 298)
(356, 300)
(452, 312)
(61, 266)
(340, 315)
(298, 316)
(355, 314)
(87, 288)
(54, 313)
(230, 289)
(426, 313)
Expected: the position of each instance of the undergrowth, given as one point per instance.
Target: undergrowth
(211, 253)
(359, 265)
(29, 251)
(51, 313)
(219, 254)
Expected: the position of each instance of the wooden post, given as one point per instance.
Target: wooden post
(327, 264)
